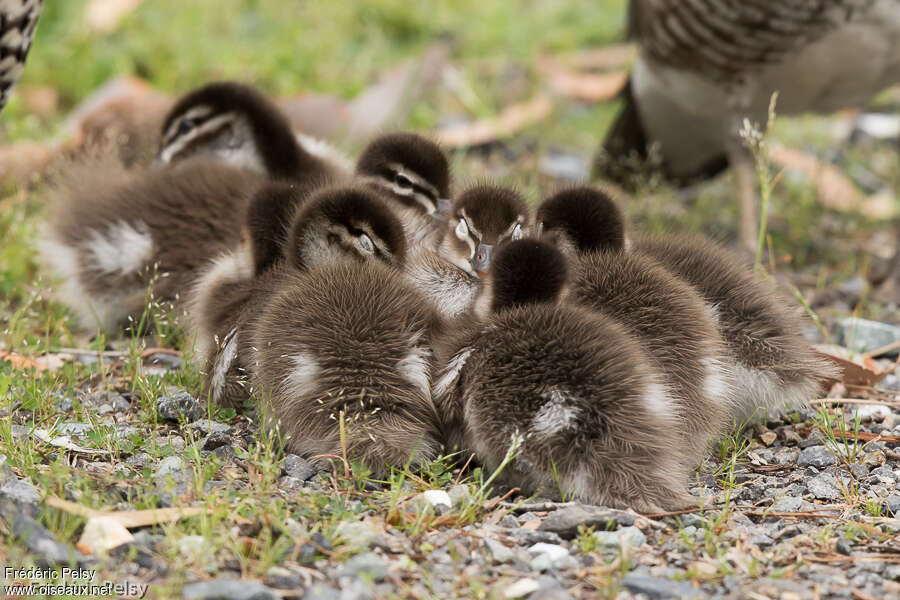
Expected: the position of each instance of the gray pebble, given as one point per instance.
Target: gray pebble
(282, 578)
(816, 456)
(21, 493)
(654, 587)
(824, 487)
(499, 552)
(368, 564)
(171, 466)
(208, 426)
(321, 591)
(181, 406)
(892, 505)
(296, 466)
(565, 521)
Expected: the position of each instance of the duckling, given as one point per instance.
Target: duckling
(113, 233)
(483, 218)
(594, 414)
(334, 224)
(413, 172)
(666, 315)
(346, 342)
(235, 124)
(773, 367)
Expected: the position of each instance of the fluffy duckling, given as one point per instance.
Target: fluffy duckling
(772, 365)
(666, 315)
(594, 414)
(483, 218)
(112, 233)
(413, 172)
(334, 224)
(347, 338)
(237, 125)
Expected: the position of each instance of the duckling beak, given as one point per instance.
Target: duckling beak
(481, 262)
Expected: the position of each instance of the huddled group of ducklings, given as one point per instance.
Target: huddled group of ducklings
(368, 313)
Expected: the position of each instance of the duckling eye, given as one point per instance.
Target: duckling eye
(185, 126)
(517, 233)
(365, 243)
(462, 230)
(403, 181)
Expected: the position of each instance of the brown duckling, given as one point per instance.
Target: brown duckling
(342, 335)
(483, 218)
(596, 419)
(414, 174)
(113, 234)
(772, 365)
(333, 224)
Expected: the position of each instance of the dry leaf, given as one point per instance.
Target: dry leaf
(835, 190)
(588, 87)
(21, 362)
(511, 120)
(860, 372)
(105, 530)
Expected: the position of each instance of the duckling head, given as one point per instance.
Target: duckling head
(345, 223)
(527, 271)
(233, 123)
(483, 218)
(581, 219)
(411, 169)
(268, 220)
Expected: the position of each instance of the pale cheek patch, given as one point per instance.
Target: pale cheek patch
(557, 414)
(414, 368)
(658, 401)
(123, 247)
(716, 381)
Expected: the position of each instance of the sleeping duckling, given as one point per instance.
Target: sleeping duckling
(665, 314)
(333, 224)
(344, 345)
(483, 218)
(113, 234)
(773, 367)
(595, 416)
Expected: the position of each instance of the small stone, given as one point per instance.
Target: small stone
(842, 546)
(768, 438)
(631, 536)
(541, 563)
(823, 487)
(499, 552)
(368, 565)
(892, 505)
(787, 504)
(321, 591)
(171, 466)
(438, 499)
(527, 537)
(282, 579)
(862, 335)
(21, 493)
(193, 547)
(215, 440)
(566, 521)
(870, 412)
(762, 541)
(508, 522)
(299, 467)
(359, 535)
(460, 495)
(39, 540)
(181, 406)
(208, 426)
(224, 453)
(816, 456)
(521, 588)
(139, 461)
(554, 551)
(227, 589)
(357, 589)
(164, 360)
(119, 403)
(654, 587)
(104, 409)
(65, 405)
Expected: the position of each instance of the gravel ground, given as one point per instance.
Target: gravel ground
(792, 513)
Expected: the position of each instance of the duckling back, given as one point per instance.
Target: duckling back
(352, 341)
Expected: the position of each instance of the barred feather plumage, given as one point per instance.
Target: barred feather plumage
(18, 21)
